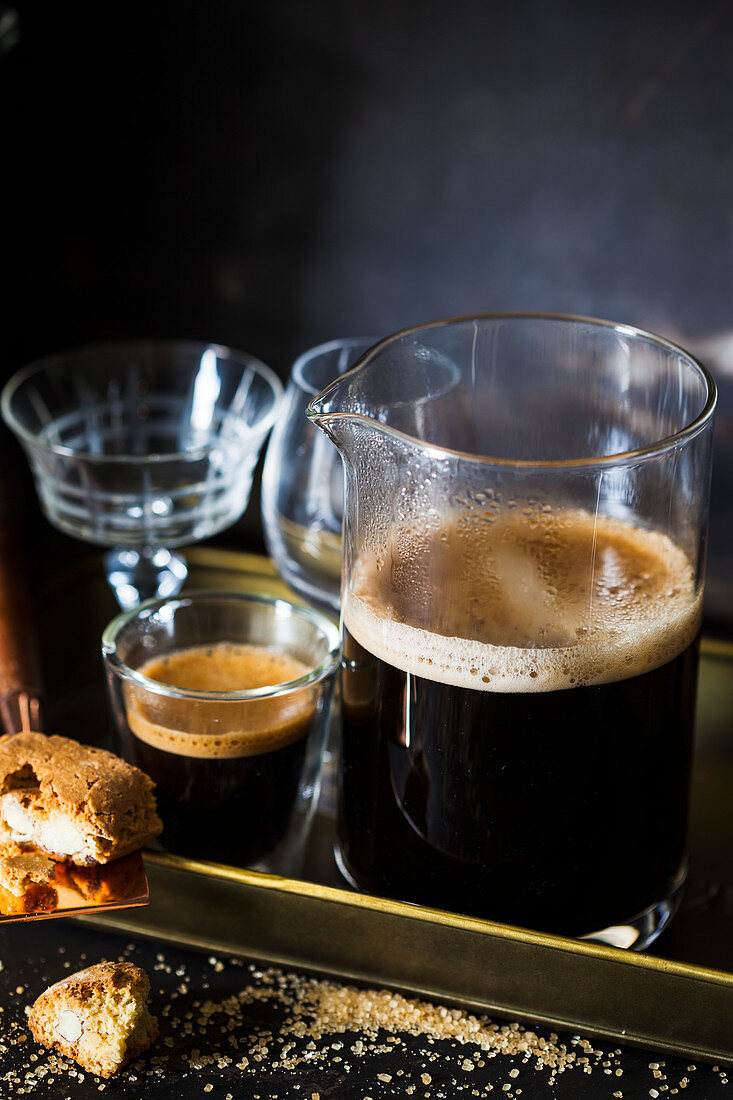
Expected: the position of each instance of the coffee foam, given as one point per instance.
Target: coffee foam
(525, 603)
(221, 729)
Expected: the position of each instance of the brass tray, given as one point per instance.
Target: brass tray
(680, 998)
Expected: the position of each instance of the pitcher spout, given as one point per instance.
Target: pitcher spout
(411, 392)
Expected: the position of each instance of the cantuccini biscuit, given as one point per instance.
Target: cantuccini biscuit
(72, 801)
(98, 1017)
(26, 883)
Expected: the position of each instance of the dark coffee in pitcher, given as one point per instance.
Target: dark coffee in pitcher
(518, 700)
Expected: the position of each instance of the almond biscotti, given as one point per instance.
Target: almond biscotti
(71, 801)
(98, 1017)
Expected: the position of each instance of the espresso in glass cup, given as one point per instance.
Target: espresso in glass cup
(521, 605)
(223, 699)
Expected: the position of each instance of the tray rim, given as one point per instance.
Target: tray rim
(372, 903)
(280, 921)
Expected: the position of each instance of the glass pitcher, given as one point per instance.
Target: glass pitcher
(526, 504)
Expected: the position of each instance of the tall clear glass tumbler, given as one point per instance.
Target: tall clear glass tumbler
(522, 599)
(303, 481)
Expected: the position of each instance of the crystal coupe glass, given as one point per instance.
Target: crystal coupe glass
(143, 447)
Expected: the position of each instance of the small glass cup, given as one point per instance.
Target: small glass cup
(236, 768)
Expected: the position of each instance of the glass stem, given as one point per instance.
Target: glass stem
(137, 575)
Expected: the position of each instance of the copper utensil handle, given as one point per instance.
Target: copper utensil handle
(20, 673)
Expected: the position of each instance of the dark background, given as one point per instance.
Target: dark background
(275, 173)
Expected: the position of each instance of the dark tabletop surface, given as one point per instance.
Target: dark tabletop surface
(231, 1029)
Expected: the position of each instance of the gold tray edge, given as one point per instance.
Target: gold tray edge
(716, 647)
(493, 968)
(371, 903)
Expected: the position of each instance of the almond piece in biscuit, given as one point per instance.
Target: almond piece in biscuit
(72, 801)
(98, 1017)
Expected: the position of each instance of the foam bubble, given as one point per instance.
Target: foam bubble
(527, 606)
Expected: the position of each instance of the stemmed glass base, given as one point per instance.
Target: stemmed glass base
(137, 575)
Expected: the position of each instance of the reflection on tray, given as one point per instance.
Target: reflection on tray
(67, 889)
